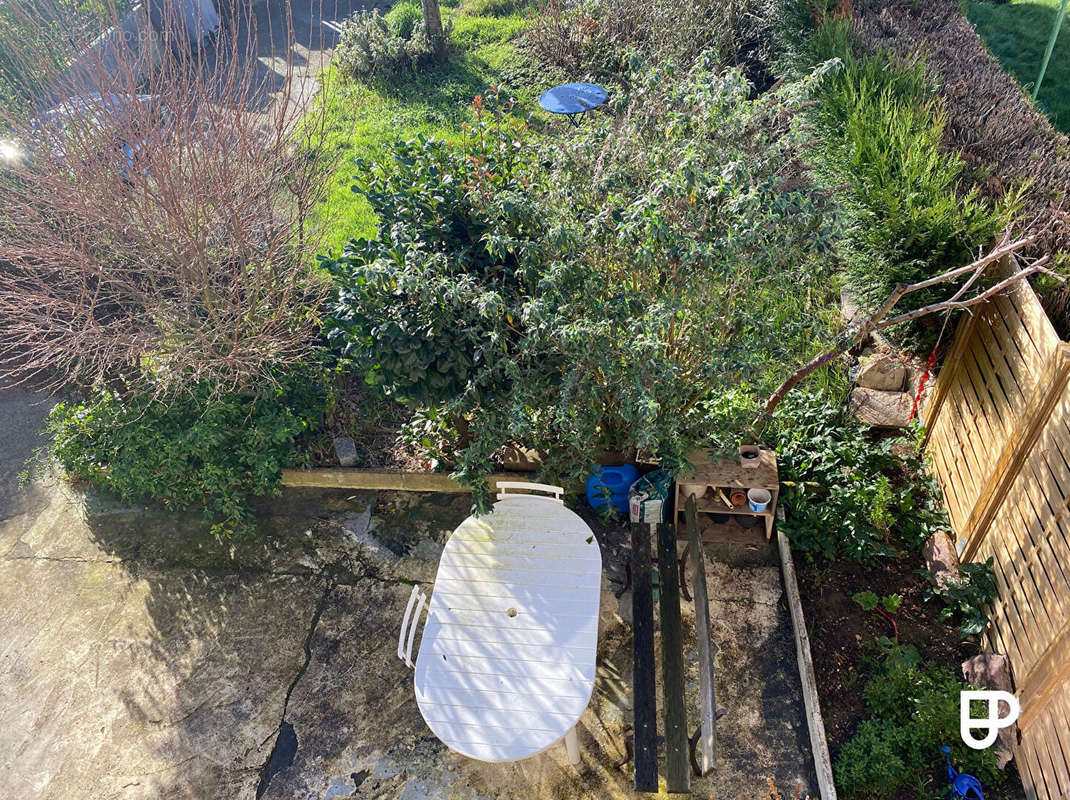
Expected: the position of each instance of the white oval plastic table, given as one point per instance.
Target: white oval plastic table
(506, 663)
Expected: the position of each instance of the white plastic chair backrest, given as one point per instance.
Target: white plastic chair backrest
(417, 600)
(524, 487)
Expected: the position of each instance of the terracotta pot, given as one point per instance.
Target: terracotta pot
(738, 498)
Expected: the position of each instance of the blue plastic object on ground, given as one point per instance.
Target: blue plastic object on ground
(612, 480)
(573, 99)
(961, 784)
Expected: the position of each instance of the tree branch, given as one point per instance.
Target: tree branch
(850, 339)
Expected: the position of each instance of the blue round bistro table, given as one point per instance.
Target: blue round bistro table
(573, 99)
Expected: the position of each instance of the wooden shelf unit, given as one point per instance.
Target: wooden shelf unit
(726, 475)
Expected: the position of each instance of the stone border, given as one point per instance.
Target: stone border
(814, 721)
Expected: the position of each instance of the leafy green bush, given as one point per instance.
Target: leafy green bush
(627, 287)
(965, 599)
(869, 764)
(196, 450)
(433, 302)
(914, 709)
(838, 497)
(600, 36)
(879, 135)
(372, 46)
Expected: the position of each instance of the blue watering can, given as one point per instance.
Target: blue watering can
(961, 784)
(611, 481)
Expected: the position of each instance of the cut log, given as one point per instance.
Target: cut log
(881, 409)
(883, 373)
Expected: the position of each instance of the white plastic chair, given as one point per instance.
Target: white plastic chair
(526, 488)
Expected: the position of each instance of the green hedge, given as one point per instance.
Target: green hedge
(909, 208)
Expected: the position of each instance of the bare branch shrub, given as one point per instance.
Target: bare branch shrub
(154, 225)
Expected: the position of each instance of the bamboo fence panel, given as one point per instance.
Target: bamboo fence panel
(999, 438)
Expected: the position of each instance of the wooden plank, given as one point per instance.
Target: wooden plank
(946, 377)
(1054, 747)
(949, 476)
(991, 399)
(1030, 309)
(1029, 351)
(677, 757)
(1003, 608)
(1016, 396)
(811, 702)
(707, 753)
(1060, 713)
(729, 472)
(1048, 392)
(961, 436)
(1039, 502)
(644, 690)
(383, 480)
(1029, 765)
(1048, 676)
(1052, 763)
(1011, 527)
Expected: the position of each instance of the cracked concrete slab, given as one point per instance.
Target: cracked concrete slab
(120, 679)
(358, 732)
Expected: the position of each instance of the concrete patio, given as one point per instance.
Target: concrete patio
(139, 658)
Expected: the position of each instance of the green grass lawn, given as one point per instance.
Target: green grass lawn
(364, 119)
(1017, 33)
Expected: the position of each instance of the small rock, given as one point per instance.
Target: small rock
(991, 671)
(883, 373)
(881, 409)
(941, 558)
(346, 450)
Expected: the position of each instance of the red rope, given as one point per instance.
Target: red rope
(929, 364)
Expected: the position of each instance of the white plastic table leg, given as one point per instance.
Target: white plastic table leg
(572, 745)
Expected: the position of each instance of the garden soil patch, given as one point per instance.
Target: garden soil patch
(843, 638)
